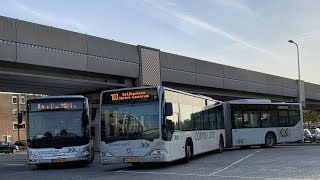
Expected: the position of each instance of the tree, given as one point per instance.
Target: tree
(310, 116)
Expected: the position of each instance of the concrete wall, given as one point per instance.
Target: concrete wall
(8, 52)
(312, 91)
(35, 44)
(184, 70)
(112, 49)
(8, 29)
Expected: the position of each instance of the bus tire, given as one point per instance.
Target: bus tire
(270, 140)
(188, 153)
(221, 145)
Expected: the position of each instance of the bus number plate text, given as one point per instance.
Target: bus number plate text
(130, 160)
(58, 160)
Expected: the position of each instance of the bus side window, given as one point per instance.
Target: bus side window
(187, 119)
(265, 119)
(237, 118)
(283, 119)
(213, 119)
(173, 121)
(294, 117)
(220, 119)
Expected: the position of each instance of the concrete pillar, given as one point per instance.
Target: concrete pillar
(94, 112)
(150, 72)
(301, 93)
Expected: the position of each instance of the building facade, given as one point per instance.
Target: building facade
(11, 104)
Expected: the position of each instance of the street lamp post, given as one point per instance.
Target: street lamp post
(299, 84)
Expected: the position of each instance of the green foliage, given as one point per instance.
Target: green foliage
(311, 116)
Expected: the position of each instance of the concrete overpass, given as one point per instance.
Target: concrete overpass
(41, 59)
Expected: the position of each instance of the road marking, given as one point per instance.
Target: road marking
(248, 177)
(159, 173)
(234, 163)
(221, 176)
(14, 164)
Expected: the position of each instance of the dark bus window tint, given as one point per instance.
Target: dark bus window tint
(251, 119)
(198, 123)
(237, 117)
(206, 119)
(274, 118)
(269, 119)
(220, 120)
(283, 119)
(213, 119)
(294, 117)
(265, 119)
(186, 123)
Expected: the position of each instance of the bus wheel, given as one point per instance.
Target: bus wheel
(270, 140)
(221, 144)
(188, 154)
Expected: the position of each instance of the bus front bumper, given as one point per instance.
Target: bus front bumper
(135, 159)
(58, 160)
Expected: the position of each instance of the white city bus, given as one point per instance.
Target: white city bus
(158, 124)
(58, 130)
(261, 122)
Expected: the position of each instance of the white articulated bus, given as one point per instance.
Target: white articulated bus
(158, 124)
(58, 130)
(261, 122)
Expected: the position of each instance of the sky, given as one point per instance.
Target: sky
(247, 34)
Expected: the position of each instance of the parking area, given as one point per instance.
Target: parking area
(281, 162)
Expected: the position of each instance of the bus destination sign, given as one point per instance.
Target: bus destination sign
(130, 96)
(55, 105)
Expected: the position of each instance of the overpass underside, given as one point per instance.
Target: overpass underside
(26, 78)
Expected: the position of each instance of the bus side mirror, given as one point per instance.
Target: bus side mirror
(168, 109)
(19, 118)
(93, 131)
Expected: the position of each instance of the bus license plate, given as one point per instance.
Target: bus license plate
(130, 160)
(58, 160)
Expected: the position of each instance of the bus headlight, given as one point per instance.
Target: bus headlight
(159, 152)
(85, 153)
(105, 154)
(31, 156)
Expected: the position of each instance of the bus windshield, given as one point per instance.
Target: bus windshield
(130, 121)
(57, 129)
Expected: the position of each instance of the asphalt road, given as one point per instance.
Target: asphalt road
(281, 162)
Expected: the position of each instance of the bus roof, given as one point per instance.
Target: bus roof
(250, 101)
(58, 97)
(256, 101)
